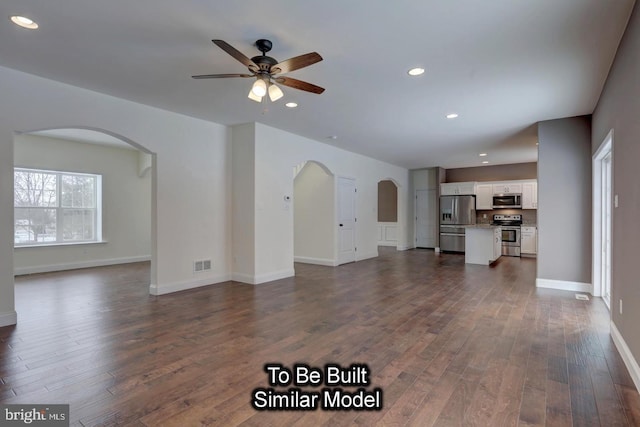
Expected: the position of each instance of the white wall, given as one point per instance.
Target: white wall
(314, 216)
(192, 190)
(277, 153)
(243, 201)
(192, 174)
(126, 204)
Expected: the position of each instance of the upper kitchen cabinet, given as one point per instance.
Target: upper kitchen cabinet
(458, 188)
(507, 188)
(530, 195)
(484, 197)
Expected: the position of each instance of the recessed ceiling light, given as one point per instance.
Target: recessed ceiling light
(415, 71)
(291, 105)
(484, 162)
(483, 154)
(23, 22)
(332, 137)
(452, 115)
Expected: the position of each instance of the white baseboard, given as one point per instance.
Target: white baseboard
(76, 265)
(316, 261)
(168, 288)
(629, 361)
(387, 243)
(276, 275)
(403, 248)
(564, 285)
(362, 257)
(8, 318)
(243, 278)
(263, 278)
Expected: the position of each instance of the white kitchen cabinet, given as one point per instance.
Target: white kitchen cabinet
(507, 188)
(457, 188)
(497, 242)
(483, 244)
(530, 195)
(484, 197)
(528, 240)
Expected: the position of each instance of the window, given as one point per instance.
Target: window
(56, 207)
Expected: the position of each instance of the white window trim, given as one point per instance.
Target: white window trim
(97, 216)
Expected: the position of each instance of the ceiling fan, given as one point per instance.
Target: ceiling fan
(267, 71)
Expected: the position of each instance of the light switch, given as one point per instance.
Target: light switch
(615, 201)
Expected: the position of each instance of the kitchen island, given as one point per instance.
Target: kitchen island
(483, 244)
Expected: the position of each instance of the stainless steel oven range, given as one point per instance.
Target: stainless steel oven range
(510, 233)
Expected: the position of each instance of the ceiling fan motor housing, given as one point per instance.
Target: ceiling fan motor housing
(264, 62)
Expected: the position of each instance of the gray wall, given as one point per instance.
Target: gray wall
(494, 173)
(564, 199)
(426, 179)
(618, 109)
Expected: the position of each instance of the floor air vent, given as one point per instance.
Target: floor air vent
(582, 297)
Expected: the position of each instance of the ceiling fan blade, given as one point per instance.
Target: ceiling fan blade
(296, 63)
(299, 84)
(236, 54)
(221, 76)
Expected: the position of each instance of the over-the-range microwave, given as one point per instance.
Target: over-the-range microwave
(507, 201)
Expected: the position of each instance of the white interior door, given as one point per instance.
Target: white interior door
(346, 220)
(426, 217)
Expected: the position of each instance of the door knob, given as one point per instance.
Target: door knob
(341, 225)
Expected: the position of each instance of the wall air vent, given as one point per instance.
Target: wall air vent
(202, 265)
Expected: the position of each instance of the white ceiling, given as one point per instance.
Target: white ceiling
(502, 65)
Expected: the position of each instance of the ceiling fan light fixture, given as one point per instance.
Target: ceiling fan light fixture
(275, 92)
(259, 88)
(252, 96)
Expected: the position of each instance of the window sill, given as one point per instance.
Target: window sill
(49, 245)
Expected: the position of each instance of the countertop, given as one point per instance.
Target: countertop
(482, 226)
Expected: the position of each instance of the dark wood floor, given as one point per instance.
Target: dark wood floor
(449, 344)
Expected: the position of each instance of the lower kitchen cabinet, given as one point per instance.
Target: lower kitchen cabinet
(528, 241)
(483, 245)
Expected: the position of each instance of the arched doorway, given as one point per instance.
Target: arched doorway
(314, 214)
(387, 228)
(112, 224)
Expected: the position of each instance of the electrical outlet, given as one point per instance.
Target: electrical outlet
(615, 201)
(620, 305)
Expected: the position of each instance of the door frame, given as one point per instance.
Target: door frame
(597, 254)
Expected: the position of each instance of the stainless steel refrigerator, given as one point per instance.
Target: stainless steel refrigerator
(455, 213)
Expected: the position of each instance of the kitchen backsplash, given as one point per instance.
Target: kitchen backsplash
(529, 216)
